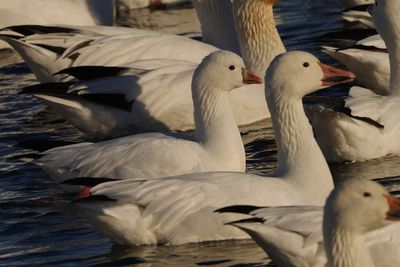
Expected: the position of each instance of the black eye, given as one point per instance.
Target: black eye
(306, 64)
(367, 194)
(231, 67)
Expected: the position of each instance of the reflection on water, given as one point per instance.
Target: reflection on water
(37, 233)
(226, 253)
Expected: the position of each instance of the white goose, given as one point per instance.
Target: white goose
(344, 138)
(350, 229)
(178, 210)
(49, 49)
(217, 145)
(160, 99)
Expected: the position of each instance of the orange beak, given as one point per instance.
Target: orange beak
(334, 75)
(250, 78)
(394, 208)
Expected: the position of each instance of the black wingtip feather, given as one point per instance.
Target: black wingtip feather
(248, 220)
(56, 49)
(61, 89)
(54, 88)
(92, 72)
(369, 48)
(242, 209)
(88, 181)
(30, 29)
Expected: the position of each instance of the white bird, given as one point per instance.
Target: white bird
(345, 138)
(49, 49)
(179, 210)
(350, 229)
(216, 146)
(69, 12)
(160, 99)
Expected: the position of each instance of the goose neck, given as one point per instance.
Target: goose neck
(216, 23)
(345, 248)
(256, 30)
(216, 128)
(300, 159)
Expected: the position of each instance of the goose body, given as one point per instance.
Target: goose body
(178, 210)
(155, 100)
(49, 49)
(355, 139)
(301, 236)
(216, 146)
(161, 101)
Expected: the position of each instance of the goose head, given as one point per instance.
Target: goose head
(295, 74)
(360, 205)
(386, 16)
(223, 70)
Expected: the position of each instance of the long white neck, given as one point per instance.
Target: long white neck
(300, 159)
(256, 30)
(343, 247)
(216, 128)
(216, 22)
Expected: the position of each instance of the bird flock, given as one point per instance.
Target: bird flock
(164, 161)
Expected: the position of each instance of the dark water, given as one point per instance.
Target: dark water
(35, 232)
